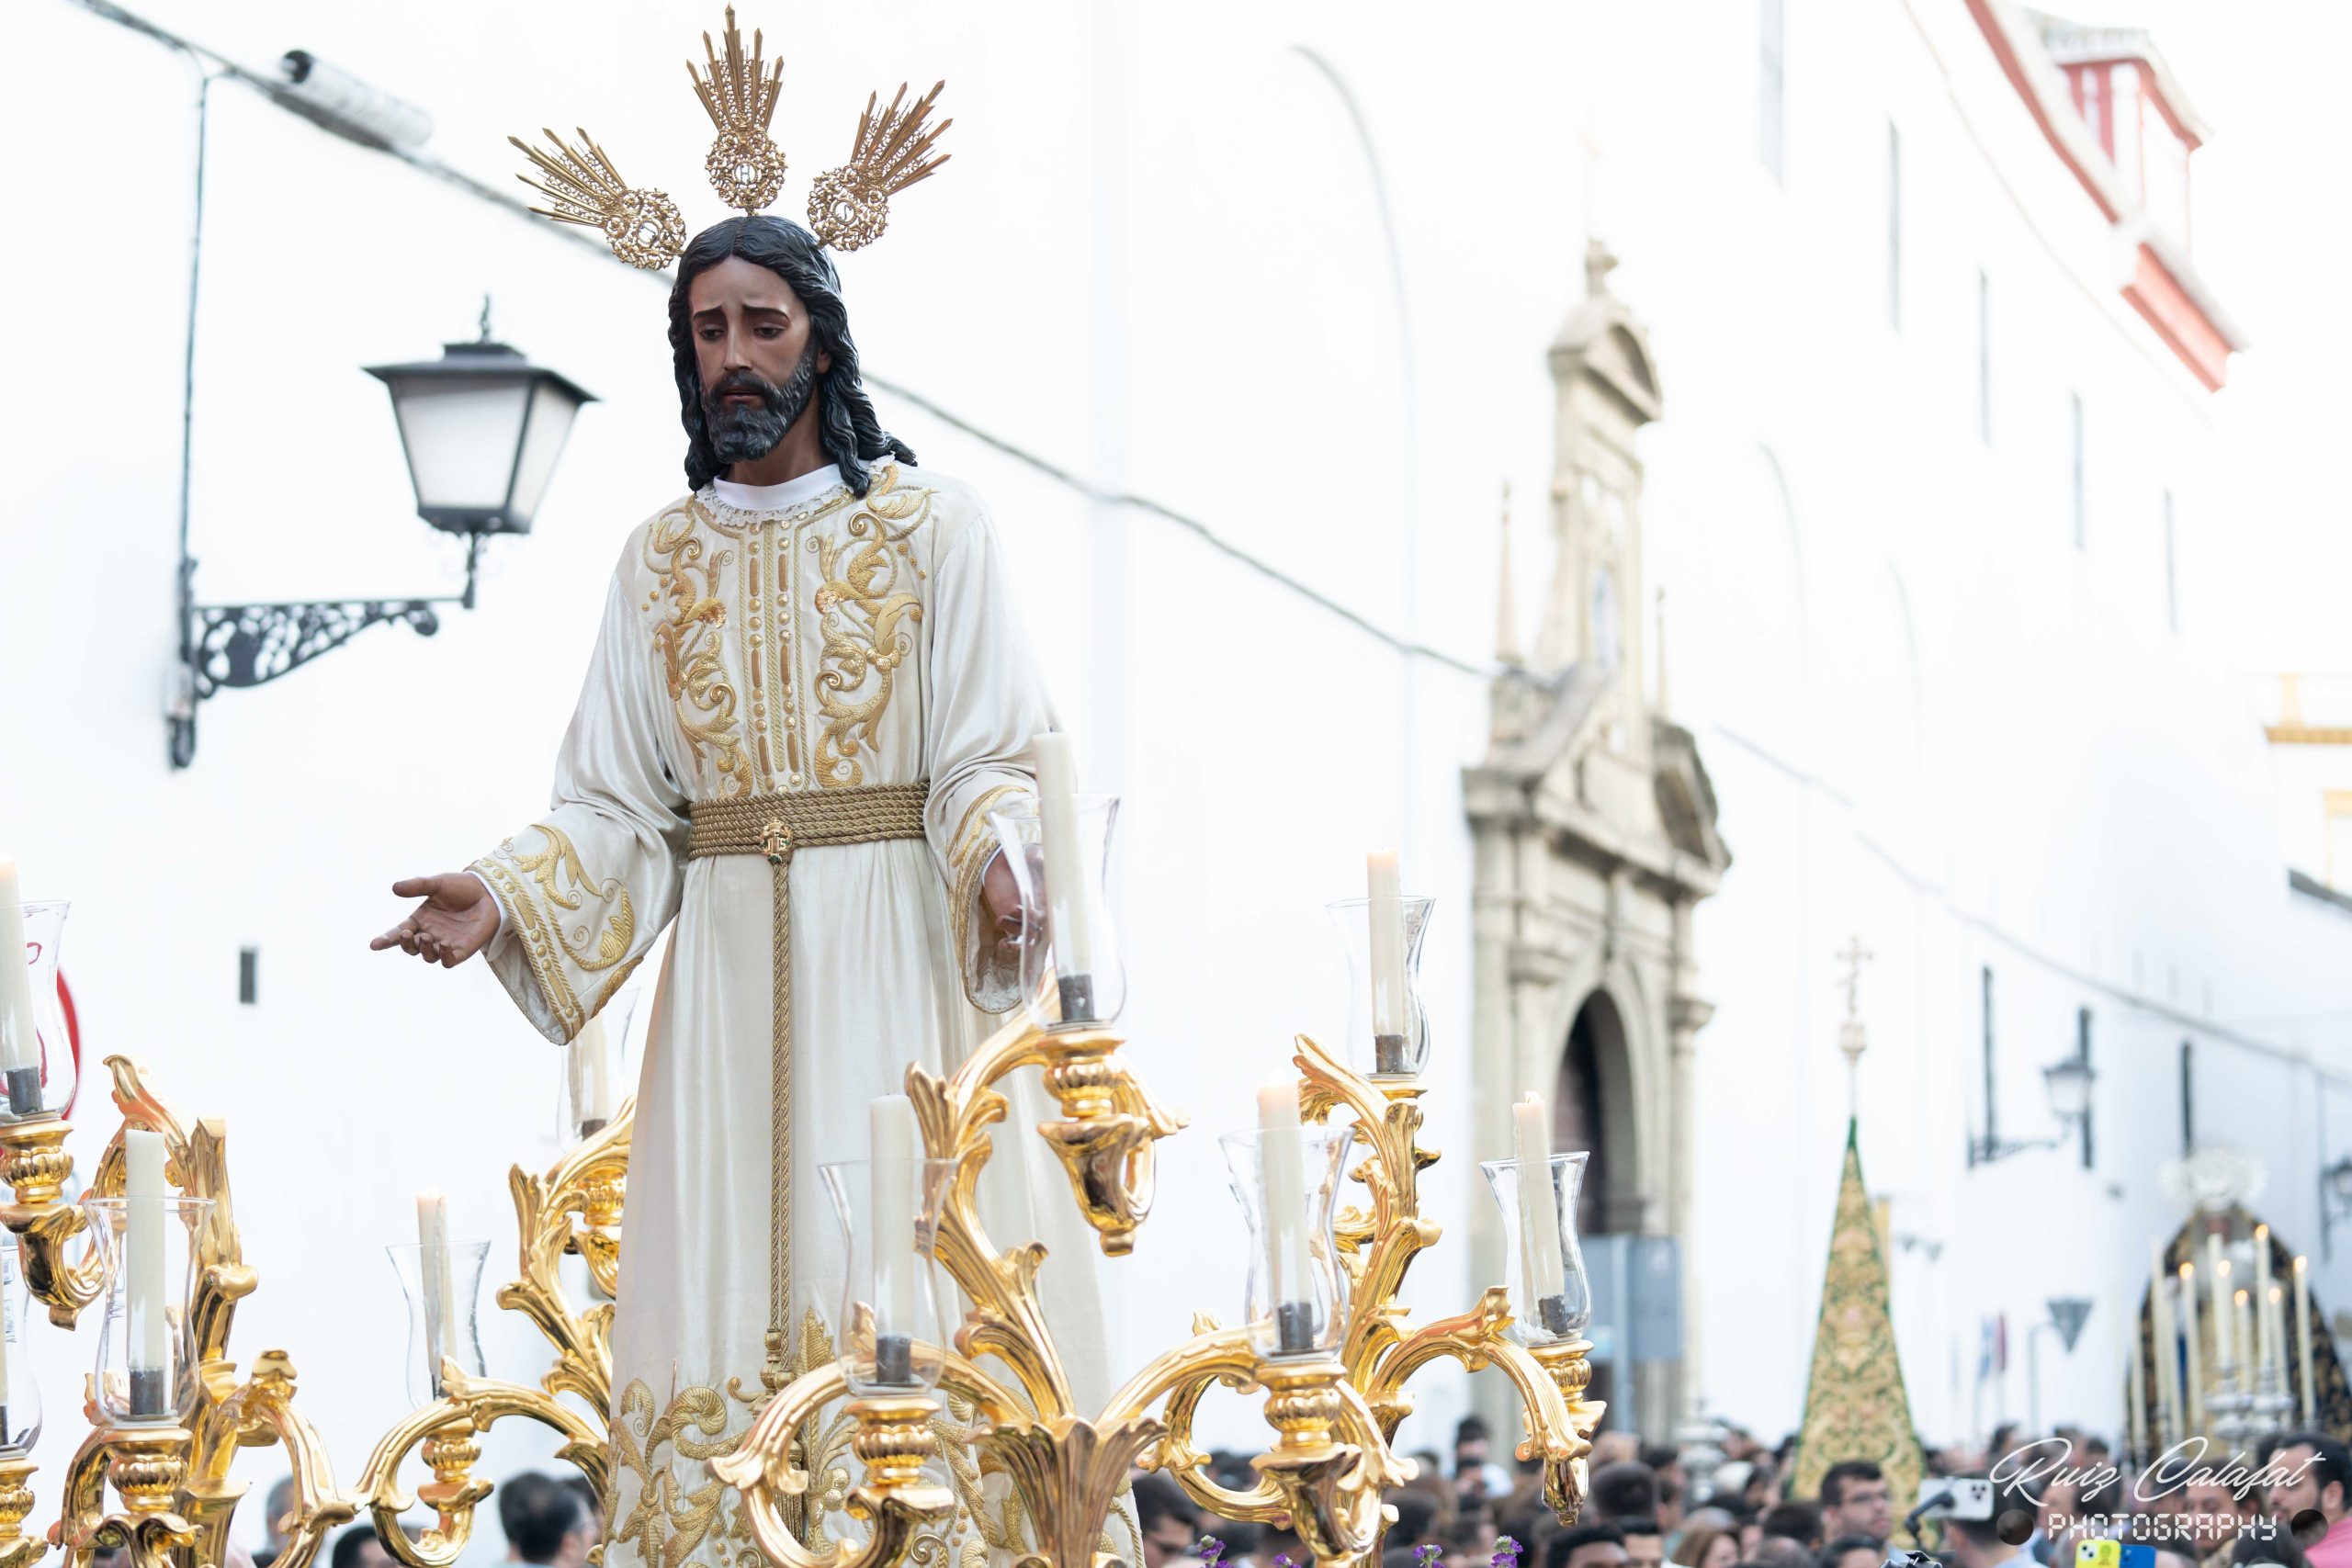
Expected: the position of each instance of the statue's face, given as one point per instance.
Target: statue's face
(753, 354)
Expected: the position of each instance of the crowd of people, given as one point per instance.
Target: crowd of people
(2282, 1506)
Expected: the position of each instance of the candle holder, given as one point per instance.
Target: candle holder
(1068, 979)
(599, 1072)
(432, 1345)
(1384, 1048)
(36, 1075)
(1547, 1310)
(146, 1369)
(19, 1395)
(1292, 1317)
(889, 1331)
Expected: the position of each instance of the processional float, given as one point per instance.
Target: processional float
(153, 1246)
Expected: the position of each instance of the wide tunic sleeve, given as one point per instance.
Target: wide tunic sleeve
(986, 699)
(584, 891)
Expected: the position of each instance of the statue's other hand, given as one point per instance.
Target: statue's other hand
(457, 918)
(1002, 894)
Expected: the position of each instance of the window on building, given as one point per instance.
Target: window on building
(1983, 356)
(1992, 1095)
(2083, 1054)
(1894, 227)
(1769, 86)
(2075, 498)
(2172, 572)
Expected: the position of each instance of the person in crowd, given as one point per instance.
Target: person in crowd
(358, 1547)
(1626, 1490)
(1587, 1546)
(1857, 1500)
(1673, 1485)
(1165, 1519)
(1751, 1533)
(1417, 1519)
(1644, 1543)
(2267, 1545)
(274, 1507)
(1780, 1551)
(1730, 1483)
(1707, 1546)
(1477, 1480)
(2055, 1512)
(2320, 1473)
(1614, 1448)
(1799, 1522)
(1853, 1552)
(2215, 1514)
(543, 1521)
(1471, 1543)
(1977, 1543)
(591, 1508)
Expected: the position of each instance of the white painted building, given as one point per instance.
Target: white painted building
(1289, 270)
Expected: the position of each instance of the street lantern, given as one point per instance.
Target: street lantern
(2068, 1085)
(482, 428)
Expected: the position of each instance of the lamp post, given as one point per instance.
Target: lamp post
(2066, 1084)
(482, 428)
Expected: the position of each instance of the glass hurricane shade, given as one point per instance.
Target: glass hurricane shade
(145, 1374)
(19, 1395)
(1080, 968)
(443, 1322)
(47, 1089)
(2068, 1086)
(890, 1331)
(1402, 1051)
(598, 1070)
(1547, 1308)
(1296, 1298)
(482, 428)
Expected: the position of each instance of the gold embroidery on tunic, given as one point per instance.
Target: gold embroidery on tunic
(689, 641)
(545, 952)
(560, 862)
(866, 619)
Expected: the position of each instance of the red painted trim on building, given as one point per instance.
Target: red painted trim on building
(1997, 38)
(2154, 94)
(2159, 297)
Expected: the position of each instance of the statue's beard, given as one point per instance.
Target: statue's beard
(744, 432)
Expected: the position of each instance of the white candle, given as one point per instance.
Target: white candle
(1539, 1211)
(2193, 1356)
(1068, 893)
(2160, 1334)
(1281, 1173)
(2244, 1315)
(2266, 1361)
(2217, 1269)
(143, 1253)
(891, 1127)
(434, 1275)
(2303, 1339)
(2274, 1329)
(20, 1036)
(1385, 908)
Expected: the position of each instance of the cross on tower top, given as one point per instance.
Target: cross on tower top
(1853, 957)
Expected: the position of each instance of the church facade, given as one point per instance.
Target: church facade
(1593, 838)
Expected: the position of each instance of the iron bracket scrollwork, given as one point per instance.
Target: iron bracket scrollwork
(226, 646)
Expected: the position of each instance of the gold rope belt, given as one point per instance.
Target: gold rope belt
(777, 825)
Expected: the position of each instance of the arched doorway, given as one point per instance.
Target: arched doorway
(1593, 1107)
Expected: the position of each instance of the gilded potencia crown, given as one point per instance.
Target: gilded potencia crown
(848, 206)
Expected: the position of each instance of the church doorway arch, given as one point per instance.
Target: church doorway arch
(1592, 1109)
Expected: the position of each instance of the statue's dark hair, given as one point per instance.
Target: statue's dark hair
(846, 427)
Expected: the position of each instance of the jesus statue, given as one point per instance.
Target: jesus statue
(809, 690)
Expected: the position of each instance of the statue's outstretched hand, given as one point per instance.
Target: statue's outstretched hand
(457, 918)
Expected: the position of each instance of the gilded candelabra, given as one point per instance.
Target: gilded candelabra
(172, 1482)
(1333, 1414)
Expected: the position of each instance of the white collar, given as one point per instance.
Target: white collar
(776, 497)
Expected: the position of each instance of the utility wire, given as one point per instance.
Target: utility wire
(1037, 463)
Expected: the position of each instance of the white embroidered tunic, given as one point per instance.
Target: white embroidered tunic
(810, 642)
